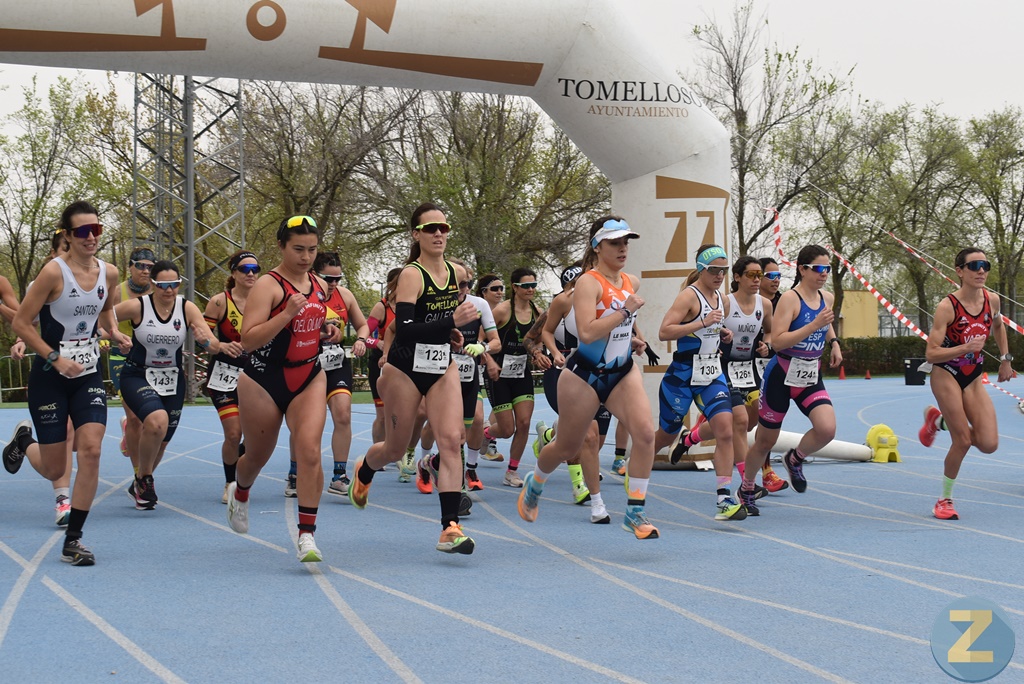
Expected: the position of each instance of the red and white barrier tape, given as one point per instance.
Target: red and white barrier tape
(886, 304)
(777, 232)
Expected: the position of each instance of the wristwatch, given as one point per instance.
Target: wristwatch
(1006, 357)
(52, 357)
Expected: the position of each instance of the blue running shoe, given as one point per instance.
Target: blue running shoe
(636, 522)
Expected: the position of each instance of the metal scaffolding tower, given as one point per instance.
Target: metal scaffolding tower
(188, 178)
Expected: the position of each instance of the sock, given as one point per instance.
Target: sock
(135, 469)
(723, 482)
(424, 452)
(549, 435)
(513, 463)
(595, 500)
(307, 519)
(241, 493)
(576, 475)
(61, 491)
(747, 485)
(487, 434)
(692, 438)
(241, 448)
(620, 453)
(539, 478)
(947, 487)
(767, 467)
(941, 425)
(292, 468)
(229, 472)
(741, 467)
(25, 441)
(637, 490)
(365, 473)
(339, 470)
(723, 493)
(449, 507)
(482, 451)
(76, 520)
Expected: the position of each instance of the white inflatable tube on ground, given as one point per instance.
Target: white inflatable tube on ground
(836, 449)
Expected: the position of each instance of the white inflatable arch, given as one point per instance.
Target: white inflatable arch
(666, 155)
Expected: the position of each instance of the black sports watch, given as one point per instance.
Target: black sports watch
(52, 357)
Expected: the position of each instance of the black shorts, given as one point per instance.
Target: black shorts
(602, 380)
(52, 399)
(225, 402)
(143, 400)
(339, 380)
(470, 395)
(284, 383)
(373, 375)
(402, 359)
(505, 393)
(550, 378)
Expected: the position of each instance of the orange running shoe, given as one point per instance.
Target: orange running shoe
(926, 435)
(636, 522)
(772, 482)
(944, 510)
(358, 493)
(473, 482)
(453, 540)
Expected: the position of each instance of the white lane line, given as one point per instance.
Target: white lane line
(929, 570)
(376, 644)
(433, 521)
(699, 619)
(29, 568)
(762, 602)
(929, 497)
(112, 633)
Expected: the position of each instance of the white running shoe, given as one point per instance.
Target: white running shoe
(599, 514)
(512, 479)
(308, 551)
(238, 511)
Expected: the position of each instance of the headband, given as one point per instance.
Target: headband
(143, 253)
(238, 259)
(709, 255)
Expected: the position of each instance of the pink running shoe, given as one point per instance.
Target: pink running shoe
(926, 435)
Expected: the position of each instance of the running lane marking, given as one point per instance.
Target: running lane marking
(109, 631)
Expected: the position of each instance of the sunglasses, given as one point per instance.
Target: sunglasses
(296, 221)
(434, 227)
(167, 284)
(248, 269)
(753, 275)
(467, 284)
(773, 275)
(527, 286)
(717, 270)
(978, 265)
(819, 268)
(496, 288)
(84, 231)
(142, 266)
(330, 278)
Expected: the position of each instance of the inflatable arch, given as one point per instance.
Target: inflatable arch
(666, 155)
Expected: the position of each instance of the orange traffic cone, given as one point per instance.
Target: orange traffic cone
(867, 375)
(842, 372)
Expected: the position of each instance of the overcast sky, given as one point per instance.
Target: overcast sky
(960, 55)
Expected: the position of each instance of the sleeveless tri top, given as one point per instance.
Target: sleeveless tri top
(157, 342)
(813, 345)
(298, 343)
(68, 323)
(613, 350)
(746, 329)
(964, 328)
(704, 340)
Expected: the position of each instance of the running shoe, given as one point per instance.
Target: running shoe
(238, 511)
(308, 551)
(541, 440)
(290, 487)
(453, 540)
(772, 482)
(145, 491)
(358, 493)
(681, 448)
(472, 481)
(636, 522)
(728, 509)
(747, 498)
(465, 505)
(407, 467)
(599, 514)
(619, 466)
(224, 496)
(759, 491)
(926, 435)
(141, 504)
(62, 509)
(529, 499)
(13, 455)
(425, 475)
(492, 452)
(339, 486)
(944, 510)
(795, 468)
(124, 436)
(580, 494)
(512, 479)
(76, 554)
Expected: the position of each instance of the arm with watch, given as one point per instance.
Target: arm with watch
(835, 349)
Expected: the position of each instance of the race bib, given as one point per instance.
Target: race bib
(467, 367)
(761, 364)
(513, 366)
(332, 357)
(431, 358)
(706, 367)
(84, 352)
(741, 373)
(802, 372)
(224, 377)
(163, 380)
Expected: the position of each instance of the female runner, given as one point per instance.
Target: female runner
(601, 371)
(803, 332)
